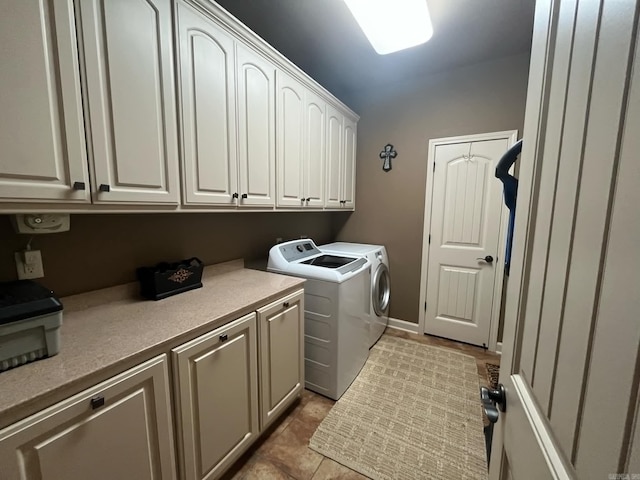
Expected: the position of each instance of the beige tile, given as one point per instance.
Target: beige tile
(314, 411)
(289, 451)
(330, 470)
(292, 412)
(307, 395)
(258, 468)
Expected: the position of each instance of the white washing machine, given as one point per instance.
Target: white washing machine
(380, 291)
(336, 331)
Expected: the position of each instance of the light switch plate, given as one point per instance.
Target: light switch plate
(32, 269)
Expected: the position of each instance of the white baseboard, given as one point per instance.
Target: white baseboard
(499, 348)
(403, 325)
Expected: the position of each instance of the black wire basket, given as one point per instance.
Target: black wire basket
(167, 279)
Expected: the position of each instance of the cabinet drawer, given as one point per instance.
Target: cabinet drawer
(120, 428)
(216, 392)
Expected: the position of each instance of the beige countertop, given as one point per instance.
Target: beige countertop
(108, 331)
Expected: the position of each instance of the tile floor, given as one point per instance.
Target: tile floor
(282, 452)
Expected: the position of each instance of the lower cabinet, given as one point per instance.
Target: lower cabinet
(228, 386)
(281, 355)
(120, 428)
(216, 385)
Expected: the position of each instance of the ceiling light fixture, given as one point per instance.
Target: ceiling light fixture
(392, 25)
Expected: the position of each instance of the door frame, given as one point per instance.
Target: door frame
(511, 136)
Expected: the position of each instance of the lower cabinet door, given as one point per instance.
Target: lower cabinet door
(216, 393)
(119, 429)
(281, 355)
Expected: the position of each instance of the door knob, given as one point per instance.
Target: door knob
(490, 398)
(488, 259)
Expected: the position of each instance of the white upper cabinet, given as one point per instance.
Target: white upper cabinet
(90, 113)
(290, 134)
(301, 144)
(41, 127)
(315, 150)
(256, 132)
(130, 91)
(349, 168)
(335, 156)
(341, 158)
(207, 80)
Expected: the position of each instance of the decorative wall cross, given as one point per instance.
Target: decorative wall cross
(387, 154)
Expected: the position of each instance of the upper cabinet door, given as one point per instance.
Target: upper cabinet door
(291, 130)
(349, 169)
(256, 132)
(41, 128)
(335, 155)
(130, 90)
(207, 80)
(315, 150)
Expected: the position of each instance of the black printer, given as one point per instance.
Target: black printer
(30, 320)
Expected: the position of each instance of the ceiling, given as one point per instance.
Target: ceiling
(322, 38)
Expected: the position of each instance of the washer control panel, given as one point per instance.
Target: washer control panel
(298, 250)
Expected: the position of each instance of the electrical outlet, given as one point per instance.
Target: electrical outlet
(29, 264)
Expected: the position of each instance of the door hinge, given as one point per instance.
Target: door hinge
(429, 239)
(425, 306)
(434, 166)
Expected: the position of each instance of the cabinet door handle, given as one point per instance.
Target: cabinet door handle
(78, 186)
(235, 195)
(224, 337)
(307, 199)
(244, 195)
(104, 187)
(97, 402)
(285, 304)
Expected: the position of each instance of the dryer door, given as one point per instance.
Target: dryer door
(381, 290)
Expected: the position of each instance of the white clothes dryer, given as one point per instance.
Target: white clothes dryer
(336, 332)
(380, 292)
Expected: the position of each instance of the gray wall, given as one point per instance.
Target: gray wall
(104, 250)
(479, 98)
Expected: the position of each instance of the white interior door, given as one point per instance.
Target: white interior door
(571, 341)
(464, 254)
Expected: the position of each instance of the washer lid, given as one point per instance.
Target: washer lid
(303, 259)
(329, 261)
(350, 248)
